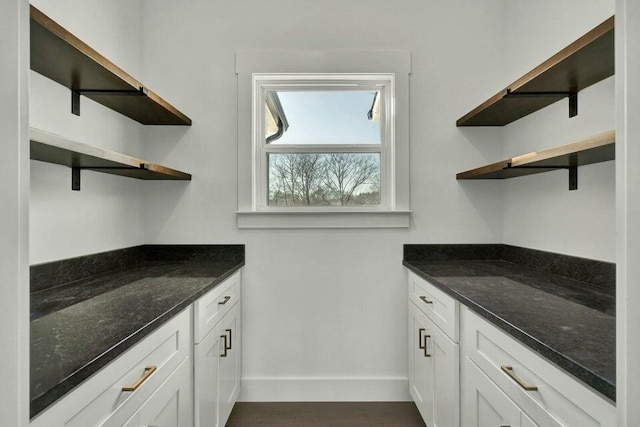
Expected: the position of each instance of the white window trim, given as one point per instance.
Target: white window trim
(394, 211)
(282, 82)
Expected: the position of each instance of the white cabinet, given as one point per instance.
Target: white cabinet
(489, 379)
(217, 366)
(171, 403)
(546, 395)
(164, 385)
(111, 396)
(230, 362)
(419, 364)
(433, 370)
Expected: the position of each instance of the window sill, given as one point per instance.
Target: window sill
(328, 219)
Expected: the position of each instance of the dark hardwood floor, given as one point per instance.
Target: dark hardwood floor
(327, 414)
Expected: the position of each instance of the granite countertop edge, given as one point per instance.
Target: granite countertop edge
(44, 400)
(597, 382)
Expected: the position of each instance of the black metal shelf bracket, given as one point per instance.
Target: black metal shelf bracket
(75, 95)
(573, 104)
(75, 172)
(573, 98)
(573, 178)
(75, 179)
(573, 173)
(75, 102)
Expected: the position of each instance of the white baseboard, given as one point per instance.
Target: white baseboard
(295, 389)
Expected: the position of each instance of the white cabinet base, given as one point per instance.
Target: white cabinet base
(217, 364)
(559, 399)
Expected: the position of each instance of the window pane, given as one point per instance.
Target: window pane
(323, 117)
(324, 179)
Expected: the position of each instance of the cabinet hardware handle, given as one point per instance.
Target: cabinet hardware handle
(226, 300)
(420, 345)
(426, 353)
(426, 301)
(224, 337)
(229, 330)
(509, 371)
(147, 373)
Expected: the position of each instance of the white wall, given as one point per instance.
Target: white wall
(539, 211)
(324, 311)
(14, 210)
(106, 213)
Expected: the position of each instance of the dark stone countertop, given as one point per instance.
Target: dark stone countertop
(569, 322)
(78, 328)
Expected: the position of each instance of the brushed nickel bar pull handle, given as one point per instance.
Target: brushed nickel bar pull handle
(426, 301)
(224, 337)
(229, 330)
(420, 345)
(226, 300)
(509, 371)
(426, 354)
(147, 373)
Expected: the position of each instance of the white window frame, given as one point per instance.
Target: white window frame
(384, 83)
(395, 212)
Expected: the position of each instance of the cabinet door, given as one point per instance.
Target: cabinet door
(420, 369)
(170, 405)
(445, 369)
(207, 367)
(483, 403)
(230, 362)
(433, 371)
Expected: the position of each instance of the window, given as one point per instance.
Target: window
(323, 142)
(323, 139)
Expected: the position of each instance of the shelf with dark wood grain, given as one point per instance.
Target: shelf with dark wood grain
(64, 58)
(595, 149)
(52, 148)
(584, 62)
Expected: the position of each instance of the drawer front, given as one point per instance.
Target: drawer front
(559, 400)
(171, 404)
(101, 400)
(442, 309)
(483, 403)
(211, 307)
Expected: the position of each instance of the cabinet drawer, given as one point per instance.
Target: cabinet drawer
(559, 400)
(171, 404)
(101, 400)
(212, 306)
(483, 403)
(439, 307)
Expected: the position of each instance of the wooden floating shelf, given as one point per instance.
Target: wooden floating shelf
(51, 148)
(62, 57)
(595, 149)
(584, 62)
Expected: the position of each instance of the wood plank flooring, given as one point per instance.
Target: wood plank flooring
(326, 414)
